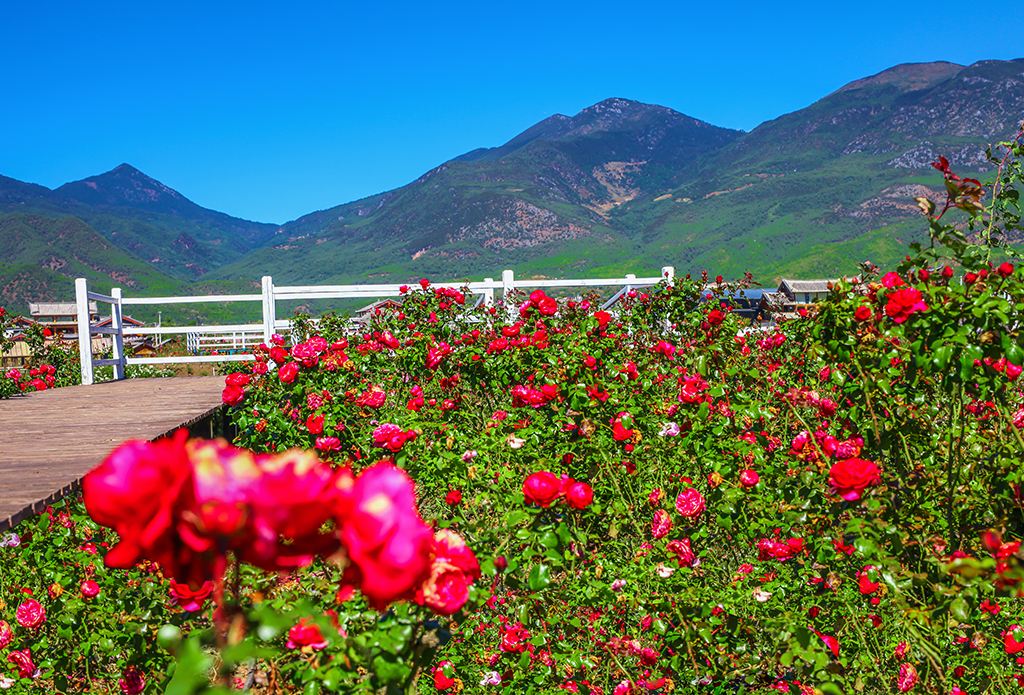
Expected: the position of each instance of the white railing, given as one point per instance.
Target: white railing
(241, 338)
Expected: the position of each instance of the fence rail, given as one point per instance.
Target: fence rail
(238, 338)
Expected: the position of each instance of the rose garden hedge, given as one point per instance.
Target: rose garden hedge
(647, 499)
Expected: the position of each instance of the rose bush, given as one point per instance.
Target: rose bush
(656, 499)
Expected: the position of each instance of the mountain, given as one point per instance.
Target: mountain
(44, 253)
(544, 197)
(815, 191)
(619, 187)
(144, 217)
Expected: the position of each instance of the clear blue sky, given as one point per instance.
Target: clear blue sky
(268, 113)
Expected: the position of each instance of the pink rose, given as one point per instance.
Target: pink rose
(30, 614)
(690, 503)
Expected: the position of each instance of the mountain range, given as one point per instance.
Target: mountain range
(619, 187)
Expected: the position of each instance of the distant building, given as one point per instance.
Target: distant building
(804, 292)
(60, 317)
(62, 320)
(793, 295)
(144, 348)
(362, 316)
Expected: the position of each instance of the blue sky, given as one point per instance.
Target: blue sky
(268, 112)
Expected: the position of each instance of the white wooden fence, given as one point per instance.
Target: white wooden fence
(245, 336)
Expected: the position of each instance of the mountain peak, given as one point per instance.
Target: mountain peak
(123, 185)
(907, 77)
(124, 168)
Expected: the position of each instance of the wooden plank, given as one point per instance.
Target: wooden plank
(50, 439)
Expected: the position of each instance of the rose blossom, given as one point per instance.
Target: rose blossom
(850, 477)
(387, 541)
(901, 304)
(453, 569)
(288, 372)
(683, 552)
(6, 634)
(661, 525)
(190, 600)
(670, 429)
(907, 678)
(444, 675)
(1013, 640)
(30, 614)
(690, 503)
(23, 660)
(306, 635)
(772, 548)
(579, 495)
(749, 478)
(132, 682)
(542, 488)
(89, 589)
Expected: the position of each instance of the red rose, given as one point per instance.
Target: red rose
(189, 599)
(373, 397)
(237, 379)
(306, 635)
(774, 549)
(862, 312)
(387, 541)
(683, 552)
(453, 497)
(1013, 640)
(132, 682)
(278, 354)
(444, 675)
(23, 660)
(749, 478)
(1005, 269)
(89, 589)
(327, 444)
(690, 503)
(620, 432)
(661, 524)
(233, 395)
(579, 495)
(315, 424)
(288, 372)
(30, 614)
(453, 569)
(907, 677)
(849, 478)
(901, 304)
(542, 488)
(547, 306)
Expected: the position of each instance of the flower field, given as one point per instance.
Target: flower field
(544, 497)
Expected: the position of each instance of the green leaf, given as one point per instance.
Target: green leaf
(540, 577)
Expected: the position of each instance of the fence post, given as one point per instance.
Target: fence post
(669, 274)
(269, 316)
(84, 330)
(630, 279)
(508, 283)
(117, 323)
(489, 292)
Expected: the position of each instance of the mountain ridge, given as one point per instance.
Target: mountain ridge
(617, 184)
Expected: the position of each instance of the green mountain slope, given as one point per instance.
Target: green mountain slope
(816, 191)
(142, 216)
(619, 187)
(540, 199)
(44, 253)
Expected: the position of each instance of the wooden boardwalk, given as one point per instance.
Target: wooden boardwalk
(50, 439)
